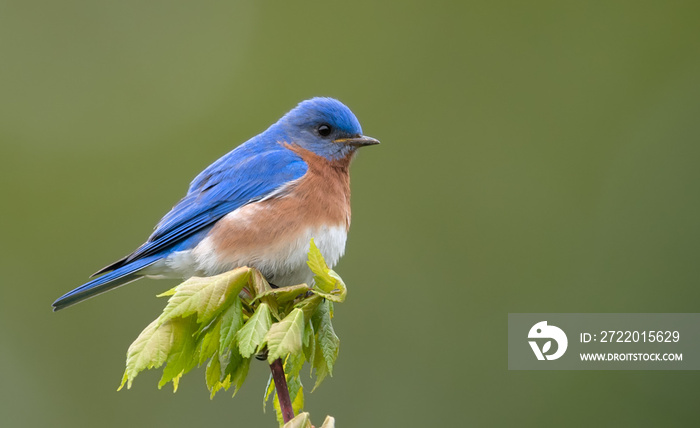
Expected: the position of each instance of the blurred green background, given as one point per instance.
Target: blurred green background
(535, 157)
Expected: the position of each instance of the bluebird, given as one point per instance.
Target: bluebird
(257, 206)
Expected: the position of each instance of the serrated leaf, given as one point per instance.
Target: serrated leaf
(214, 375)
(322, 281)
(546, 347)
(327, 343)
(309, 343)
(327, 283)
(300, 421)
(207, 342)
(285, 336)
(237, 370)
(293, 365)
(153, 346)
(253, 332)
(315, 261)
(148, 351)
(231, 323)
(206, 297)
(181, 357)
(321, 371)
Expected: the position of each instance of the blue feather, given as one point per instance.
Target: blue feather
(233, 181)
(116, 278)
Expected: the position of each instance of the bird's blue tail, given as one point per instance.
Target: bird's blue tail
(106, 282)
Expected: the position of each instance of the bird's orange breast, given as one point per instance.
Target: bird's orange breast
(265, 229)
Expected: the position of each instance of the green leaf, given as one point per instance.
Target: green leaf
(327, 343)
(262, 290)
(231, 323)
(259, 283)
(148, 351)
(206, 297)
(208, 342)
(293, 365)
(321, 369)
(214, 376)
(285, 294)
(327, 283)
(309, 305)
(318, 266)
(309, 343)
(181, 355)
(252, 334)
(341, 290)
(237, 370)
(298, 398)
(213, 373)
(285, 336)
(156, 345)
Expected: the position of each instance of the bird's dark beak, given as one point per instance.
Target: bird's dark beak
(360, 141)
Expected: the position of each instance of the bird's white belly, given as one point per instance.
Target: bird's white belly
(283, 264)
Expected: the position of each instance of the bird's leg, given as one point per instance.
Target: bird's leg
(262, 355)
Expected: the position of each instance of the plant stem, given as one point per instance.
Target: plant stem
(277, 370)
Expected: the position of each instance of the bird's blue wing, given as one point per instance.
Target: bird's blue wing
(242, 176)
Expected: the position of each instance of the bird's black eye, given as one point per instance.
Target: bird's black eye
(324, 130)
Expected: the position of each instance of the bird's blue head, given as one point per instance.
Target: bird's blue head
(325, 127)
